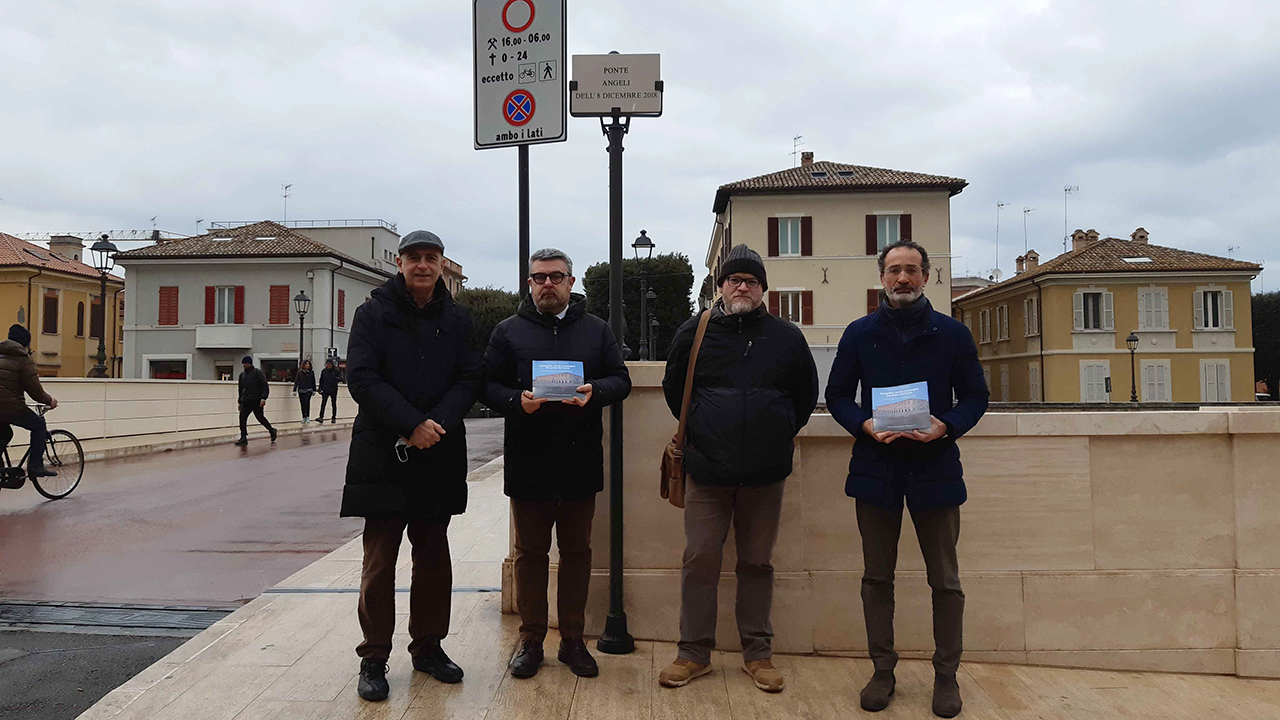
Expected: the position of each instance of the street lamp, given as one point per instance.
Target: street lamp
(652, 348)
(1132, 342)
(643, 243)
(103, 261)
(653, 336)
(302, 304)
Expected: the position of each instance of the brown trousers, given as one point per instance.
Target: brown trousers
(430, 591)
(533, 522)
(938, 530)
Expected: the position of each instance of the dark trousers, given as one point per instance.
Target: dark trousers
(754, 513)
(29, 420)
(533, 522)
(304, 399)
(254, 409)
(324, 399)
(430, 591)
(938, 530)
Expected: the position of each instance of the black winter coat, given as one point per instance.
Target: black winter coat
(891, 347)
(305, 383)
(329, 381)
(405, 365)
(754, 387)
(556, 453)
(253, 386)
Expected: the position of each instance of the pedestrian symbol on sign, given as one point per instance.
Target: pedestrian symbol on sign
(518, 108)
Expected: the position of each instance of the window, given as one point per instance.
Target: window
(986, 376)
(968, 321)
(1155, 381)
(168, 306)
(168, 370)
(224, 371)
(1031, 316)
(50, 324)
(1033, 377)
(1093, 310)
(1213, 310)
(225, 305)
(789, 236)
(793, 305)
(1002, 322)
(280, 370)
(1004, 383)
(1153, 309)
(984, 327)
(1215, 381)
(342, 308)
(279, 312)
(80, 320)
(1095, 381)
(96, 318)
(888, 231)
(789, 306)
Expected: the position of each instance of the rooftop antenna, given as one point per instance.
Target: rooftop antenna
(1231, 251)
(1025, 212)
(796, 144)
(153, 221)
(1066, 193)
(286, 191)
(998, 206)
(198, 225)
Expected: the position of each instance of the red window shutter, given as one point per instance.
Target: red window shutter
(96, 318)
(904, 226)
(806, 307)
(239, 316)
(342, 308)
(210, 302)
(873, 300)
(278, 313)
(873, 247)
(168, 306)
(806, 236)
(775, 306)
(50, 312)
(773, 238)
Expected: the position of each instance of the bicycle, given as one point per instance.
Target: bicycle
(62, 454)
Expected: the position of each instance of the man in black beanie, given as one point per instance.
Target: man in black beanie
(254, 391)
(754, 387)
(18, 377)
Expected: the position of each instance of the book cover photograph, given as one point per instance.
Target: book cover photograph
(901, 408)
(557, 379)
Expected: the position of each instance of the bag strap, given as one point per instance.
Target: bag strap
(688, 378)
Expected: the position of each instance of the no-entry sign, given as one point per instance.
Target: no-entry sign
(520, 81)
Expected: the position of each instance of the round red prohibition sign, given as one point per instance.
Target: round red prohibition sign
(519, 107)
(507, 8)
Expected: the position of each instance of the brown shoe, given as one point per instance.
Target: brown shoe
(680, 672)
(767, 677)
(946, 696)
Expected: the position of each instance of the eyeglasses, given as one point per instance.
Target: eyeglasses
(752, 283)
(556, 278)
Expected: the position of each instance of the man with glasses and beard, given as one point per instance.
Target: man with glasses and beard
(903, 342)
(754, 387)
(554, 454)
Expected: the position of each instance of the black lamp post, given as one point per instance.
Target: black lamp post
(653, 335)
(302, 304)
(1132, 342)
(643, 243)
(103, 261)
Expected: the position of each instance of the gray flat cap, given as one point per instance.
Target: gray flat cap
(421, 238)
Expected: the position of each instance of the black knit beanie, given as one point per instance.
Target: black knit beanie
(743, 259)
(20, 335)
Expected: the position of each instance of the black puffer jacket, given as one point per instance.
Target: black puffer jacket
(253, 386)
(407, 364)
(557, 452)
(754, 387)
(305, 382)
(18, 377)
(329, 381)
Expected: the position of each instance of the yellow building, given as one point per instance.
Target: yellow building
(1057, 332)
(57, 296)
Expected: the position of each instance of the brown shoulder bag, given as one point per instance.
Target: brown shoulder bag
(673, 457)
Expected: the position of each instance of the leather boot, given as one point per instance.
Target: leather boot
(946, 696)
(573, 652)
(373, 680)
(525, 663)
(433, 661)
(875, 696)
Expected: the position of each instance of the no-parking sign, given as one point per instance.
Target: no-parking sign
(520, 81)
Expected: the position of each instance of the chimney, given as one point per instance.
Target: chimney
(1093, 236)
(1021, 265)
(1140, 236)
(806, 159)
(1033, 260)
(1078, 239)
(67, 246)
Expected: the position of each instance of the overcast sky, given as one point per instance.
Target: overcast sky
(1164, 114)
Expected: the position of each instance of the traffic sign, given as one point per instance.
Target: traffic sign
(630, 83)
(519, 51)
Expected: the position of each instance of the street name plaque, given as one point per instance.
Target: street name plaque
(630, 83)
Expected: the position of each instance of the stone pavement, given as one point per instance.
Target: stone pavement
(289, 655)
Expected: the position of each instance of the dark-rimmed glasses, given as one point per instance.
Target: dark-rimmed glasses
(751, 282)
(556, 278)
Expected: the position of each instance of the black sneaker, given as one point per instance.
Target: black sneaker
(435, 663)
(574, 654)
(273, 434)
(242, 442)
(525, 663)
(41, 471)
(373, 680)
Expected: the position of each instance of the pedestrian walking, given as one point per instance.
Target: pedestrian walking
(305, 385)
(554, 451)
(329, 378)
(19, 378)
(754, 387)
(414, 375)
(905, 341)
(254, 390)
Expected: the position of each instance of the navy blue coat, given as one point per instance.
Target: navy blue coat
(881, 350)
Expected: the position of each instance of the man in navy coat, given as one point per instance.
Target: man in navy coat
(903, 342)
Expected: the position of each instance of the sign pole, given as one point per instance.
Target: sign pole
(523, 264)
(615, 640)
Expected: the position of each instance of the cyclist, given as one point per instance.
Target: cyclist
(18, 376)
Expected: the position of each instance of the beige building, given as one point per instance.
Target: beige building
(1057, 332)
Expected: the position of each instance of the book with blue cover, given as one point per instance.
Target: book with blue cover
(901, 408)
(557, 379)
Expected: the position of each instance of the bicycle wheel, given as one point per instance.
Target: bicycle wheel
(64, 456)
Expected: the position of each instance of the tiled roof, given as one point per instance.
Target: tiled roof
(1108, 256)
(826, 176)
(262, 239)
(15, 252)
